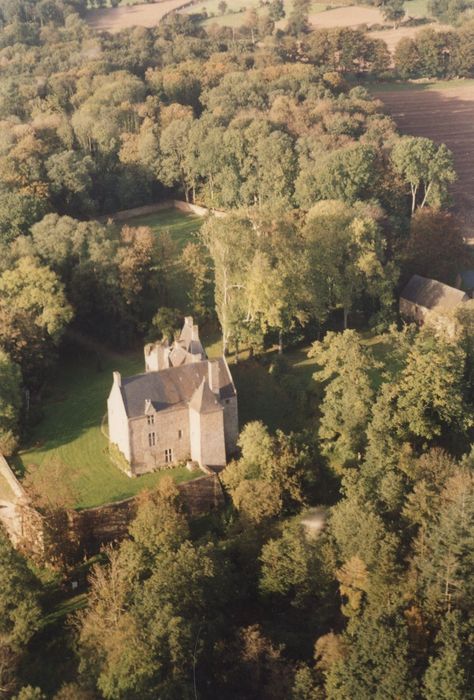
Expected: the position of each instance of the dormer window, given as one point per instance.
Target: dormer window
(150, 420)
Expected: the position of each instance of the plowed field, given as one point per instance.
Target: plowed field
(114, 19)
(445, 115)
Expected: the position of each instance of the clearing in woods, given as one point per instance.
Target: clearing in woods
(444, 112)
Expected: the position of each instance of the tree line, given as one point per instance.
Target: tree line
(266, 603)
(329, 213)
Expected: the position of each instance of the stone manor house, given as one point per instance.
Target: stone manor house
(183, 407)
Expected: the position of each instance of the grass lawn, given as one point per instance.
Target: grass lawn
(69, 445)
(379, 87)
(181, 227)
(68, 442)
(416, 8)
(236, 10)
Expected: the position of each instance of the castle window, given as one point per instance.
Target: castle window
(168, 455)
(180, 434)
(151, 439)
(150, 420)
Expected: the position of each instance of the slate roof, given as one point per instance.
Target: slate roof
(467, 280)
(432, 294)
(204, 400)
(171, 388)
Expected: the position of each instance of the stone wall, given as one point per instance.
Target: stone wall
(23, 524)
(91, 528)
(94, 527)
(10, 478)
(185, 207)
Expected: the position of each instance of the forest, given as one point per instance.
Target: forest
(342, 565)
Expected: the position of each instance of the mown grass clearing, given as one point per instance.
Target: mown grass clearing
(68, 443)
(419, 85)
(69, 446)
(181, 227)
(416, 8)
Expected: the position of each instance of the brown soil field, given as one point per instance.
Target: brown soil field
(393, 36)
(447, 116)
(117, 18)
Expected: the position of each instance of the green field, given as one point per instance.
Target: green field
(181, 227)
(413, 85)
(69, 445)
(416, 8)
(236, 10)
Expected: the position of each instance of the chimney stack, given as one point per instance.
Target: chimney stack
(117, 379)
(213, 375)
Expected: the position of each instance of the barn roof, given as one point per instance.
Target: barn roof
(432, 294)
(171, 388)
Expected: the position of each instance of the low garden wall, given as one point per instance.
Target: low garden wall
(86, 531)
(94, 527)
(10, 478)
(23, 524)
(185, 207)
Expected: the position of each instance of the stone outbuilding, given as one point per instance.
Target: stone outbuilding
(183, 407)
(427, 301)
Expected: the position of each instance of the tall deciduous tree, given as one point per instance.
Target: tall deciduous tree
(425, 167)
(10, 403)
(34, 312)
(345, 366)
(20, 612)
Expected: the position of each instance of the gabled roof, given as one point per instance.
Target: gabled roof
(204, 400)
(432, 294)
(172, 388)
(178, 356)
